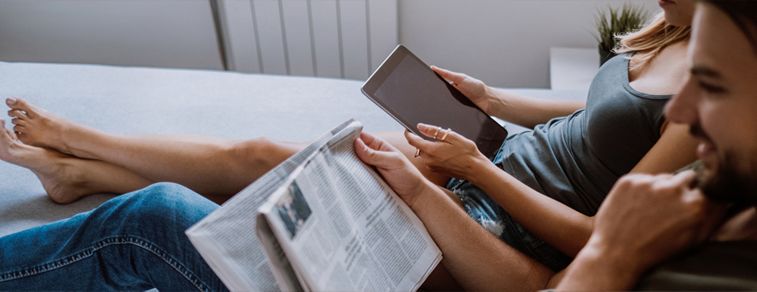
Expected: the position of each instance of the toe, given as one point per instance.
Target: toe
(5, 133)
(17, 114)
(19, 122)
(21, 104)
(11, 134)
(19, 129)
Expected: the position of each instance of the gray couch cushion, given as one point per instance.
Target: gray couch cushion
(174, 102)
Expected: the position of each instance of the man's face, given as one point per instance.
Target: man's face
(719, 102)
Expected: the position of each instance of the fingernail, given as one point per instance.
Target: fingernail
(10, 100)
(422, 126)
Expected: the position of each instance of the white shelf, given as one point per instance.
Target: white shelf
(572, 68)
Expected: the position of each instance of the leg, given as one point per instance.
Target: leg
(212, 167)
(206, 166)
(104, 249)
(67, 178)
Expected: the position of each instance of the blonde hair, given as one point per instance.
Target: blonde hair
(647, 42)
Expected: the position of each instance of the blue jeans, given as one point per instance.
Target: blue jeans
(135, 241)
(490, 215)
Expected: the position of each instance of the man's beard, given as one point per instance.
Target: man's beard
(728, 183)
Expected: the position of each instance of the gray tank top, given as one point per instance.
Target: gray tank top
(576, 159)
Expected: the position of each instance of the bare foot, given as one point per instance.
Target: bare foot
(37, 127)
(63, 182)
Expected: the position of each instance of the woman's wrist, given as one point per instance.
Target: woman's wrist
(480, 167)
(498, 101)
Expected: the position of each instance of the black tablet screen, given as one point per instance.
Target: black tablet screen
(412, 93)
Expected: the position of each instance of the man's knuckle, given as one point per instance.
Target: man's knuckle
(625, 182)
(635, 181)
(660, 186)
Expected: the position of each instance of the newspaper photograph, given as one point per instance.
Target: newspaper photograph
(320, 221)
(344, 229)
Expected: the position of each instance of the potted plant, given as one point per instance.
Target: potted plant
(615, 22)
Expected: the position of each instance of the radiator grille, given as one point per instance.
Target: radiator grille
(326, 38)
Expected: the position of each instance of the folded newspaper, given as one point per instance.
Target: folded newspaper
(320, 221)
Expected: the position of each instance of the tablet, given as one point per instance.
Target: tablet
(408, 90)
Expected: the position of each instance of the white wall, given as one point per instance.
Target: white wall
(503, 42)
(155, 33)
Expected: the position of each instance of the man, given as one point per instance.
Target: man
(646, 220)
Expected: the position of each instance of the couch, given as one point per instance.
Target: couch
(129, 100)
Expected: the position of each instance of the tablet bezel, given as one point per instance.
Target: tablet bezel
(386, 68)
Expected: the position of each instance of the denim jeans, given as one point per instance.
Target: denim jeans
(490, 215)
(135, 241)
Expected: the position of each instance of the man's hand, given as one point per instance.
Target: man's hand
(406, 180)
(644, 220)
(654, 217)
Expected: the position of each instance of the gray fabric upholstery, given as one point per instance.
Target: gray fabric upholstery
(175, 102)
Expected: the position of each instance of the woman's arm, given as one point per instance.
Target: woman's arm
(517, 109)
(561, 226)
(529, 111)
(477, 260)
(675, 149)
(564, 228)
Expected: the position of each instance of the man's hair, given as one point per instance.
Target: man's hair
(743, 13)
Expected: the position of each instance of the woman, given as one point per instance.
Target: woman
(621, 130)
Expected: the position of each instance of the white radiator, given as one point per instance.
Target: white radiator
(326, 38)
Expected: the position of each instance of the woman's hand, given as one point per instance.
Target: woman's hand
(397, 171)
(474, 89)
(451, 153)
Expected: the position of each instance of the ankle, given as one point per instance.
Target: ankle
(77, 140)
(67, 183)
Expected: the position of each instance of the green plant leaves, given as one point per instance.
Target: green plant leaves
(615, 22)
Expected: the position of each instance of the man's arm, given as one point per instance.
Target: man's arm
(476, 259)
(644, 220)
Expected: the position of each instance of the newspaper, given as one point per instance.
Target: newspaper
(320, 221)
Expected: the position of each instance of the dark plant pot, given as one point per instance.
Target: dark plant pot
(605, 55)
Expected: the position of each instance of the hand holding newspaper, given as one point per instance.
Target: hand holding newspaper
(320, 221)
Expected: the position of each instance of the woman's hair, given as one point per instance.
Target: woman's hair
(743, 13)
(647, 42)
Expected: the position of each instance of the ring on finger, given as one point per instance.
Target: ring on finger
(444, 136)
(436, 133)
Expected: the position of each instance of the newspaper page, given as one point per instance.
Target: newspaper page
(344, 229)
(226, 238)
